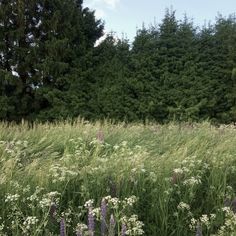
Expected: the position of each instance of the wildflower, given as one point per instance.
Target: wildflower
(123, 229)
(12, 197)
(178, 171)
(193, 223)
(183, 206)
(130, 201)
(192, 181)
(212, 216)
(97, 212)
(226, 209)
(48, 199)
(114, 202)
(89, 203)
(204, 219)
(103, 216)
(199, 230)
(134, 226)
(62, 227)
(53, 210)
(112, 226)
(30, 221)
(91, 221)
(80, 229)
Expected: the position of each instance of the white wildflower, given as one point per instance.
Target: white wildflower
(183, 206)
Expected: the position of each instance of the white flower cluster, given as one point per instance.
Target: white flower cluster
(183, 206)
(81, 228)
(30, 221)
(113, 202)
(193, 224)
(229, 227)
(130, 201)
(89, 203)
(35, 195)
(12, 197)
(48, 198)
(96, 212)
(181, 170)
(60, 173)
(134, 226)
(204, 219)
(226, 209)
(192, 181)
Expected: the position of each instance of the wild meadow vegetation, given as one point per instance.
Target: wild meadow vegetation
(117, 179)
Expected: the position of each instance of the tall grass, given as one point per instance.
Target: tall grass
(183, 176)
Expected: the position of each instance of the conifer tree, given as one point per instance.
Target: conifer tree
(42, 47)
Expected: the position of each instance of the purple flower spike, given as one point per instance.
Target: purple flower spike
(62, 227)
(103, 217)
(79, 233)
(199, 230)
(53, 210)
(123, 230)
(112, 226)
(91, 222)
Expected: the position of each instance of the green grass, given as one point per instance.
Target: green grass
(182, 175)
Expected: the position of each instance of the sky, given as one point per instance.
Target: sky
(124, 16)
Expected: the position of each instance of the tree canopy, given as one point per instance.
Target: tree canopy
(51, 67)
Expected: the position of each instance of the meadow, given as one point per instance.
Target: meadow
(117, 179)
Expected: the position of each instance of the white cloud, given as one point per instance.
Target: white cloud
(107, 3)
(101, 7)
(111, 3)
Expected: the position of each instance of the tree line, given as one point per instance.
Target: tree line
(52, 69)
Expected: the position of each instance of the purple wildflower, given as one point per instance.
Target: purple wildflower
(199, 230)
(91, 221)
(103, 216)
(53, 210)
(62, 227)
(79, 233)
(112, 226)
(123, 229)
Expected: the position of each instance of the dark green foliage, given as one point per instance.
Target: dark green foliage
(50, 68)
(43, 45)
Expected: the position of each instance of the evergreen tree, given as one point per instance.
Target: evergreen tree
(42, 49)
(110, 98)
